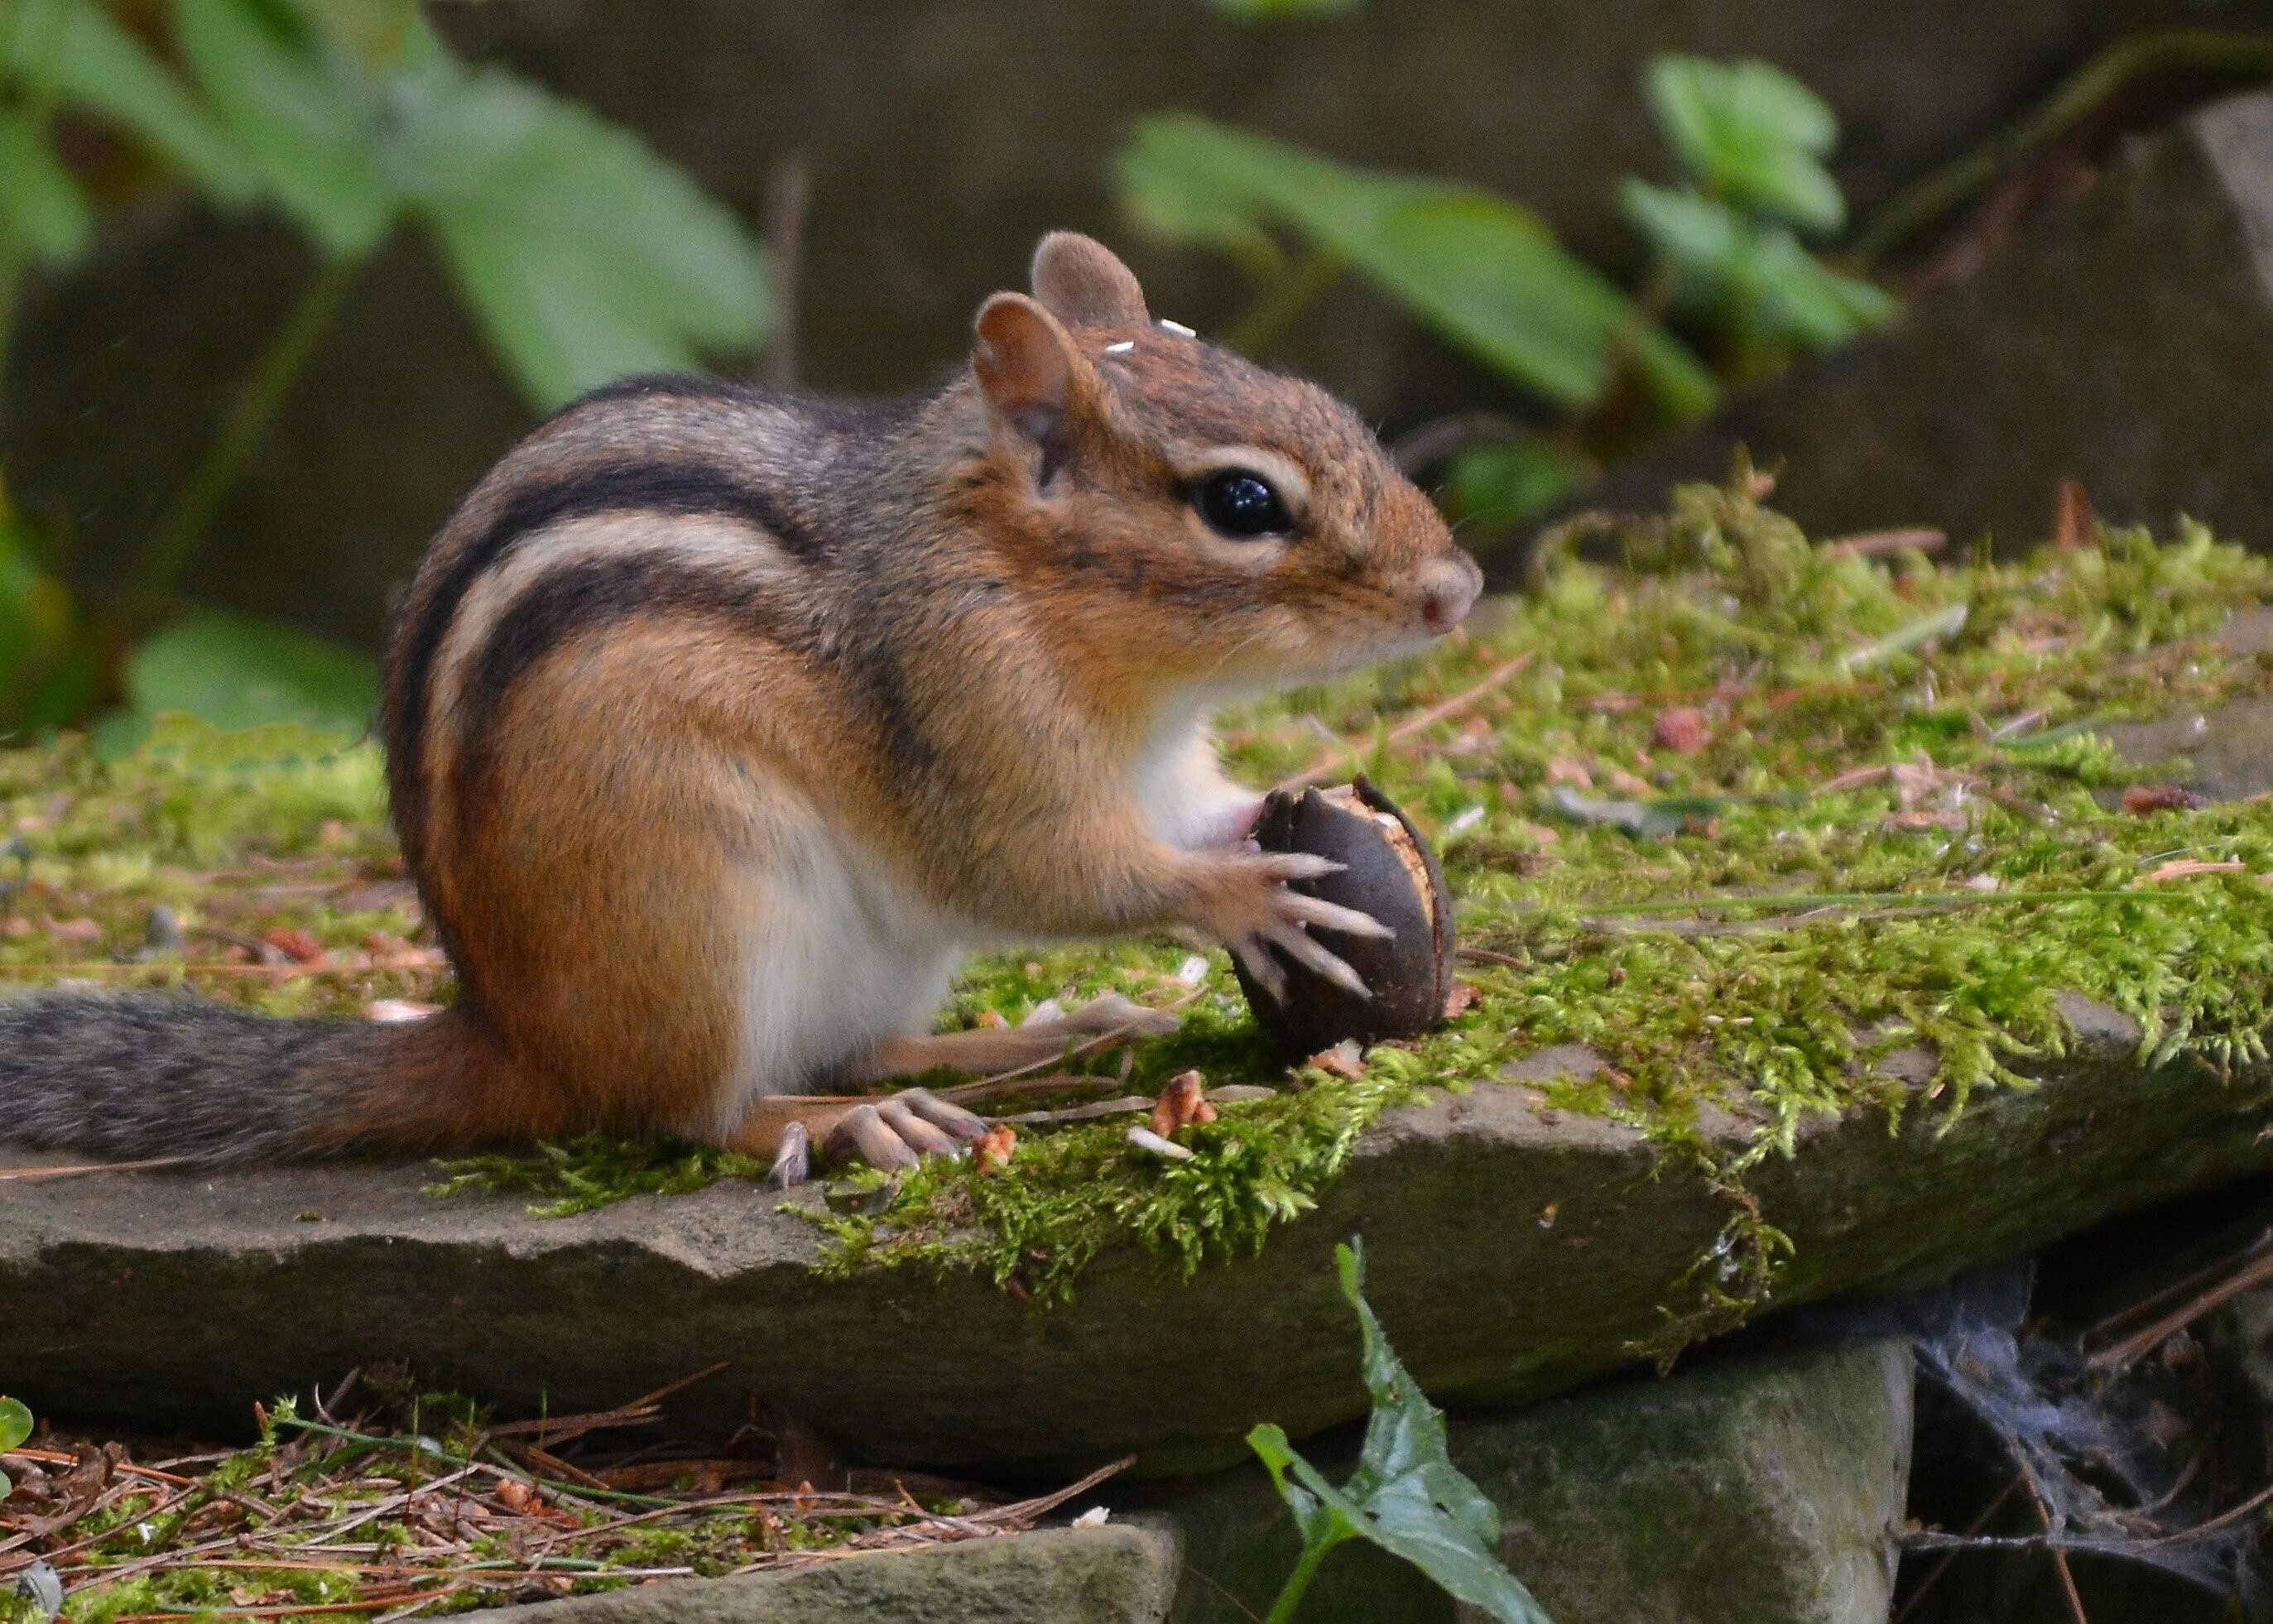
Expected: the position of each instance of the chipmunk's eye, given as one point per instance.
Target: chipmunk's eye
(1242, 505)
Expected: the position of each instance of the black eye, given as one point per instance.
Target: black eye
(1242, 505)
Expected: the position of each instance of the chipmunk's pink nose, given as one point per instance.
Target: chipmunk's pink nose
(1448, 591)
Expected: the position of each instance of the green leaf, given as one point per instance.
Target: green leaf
(236, 672)
(305, 111)
(1765, 281)
(586, 256)
(15, 1424)
(1168, 195)
(1482, 271)
(39, 203)
(1500, 484)
(1750, 133)
(1405, 1496)
(76, 50)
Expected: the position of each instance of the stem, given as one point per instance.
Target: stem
(183, 526)
(1282, 301)
(2217, 50)
(1290, 1596)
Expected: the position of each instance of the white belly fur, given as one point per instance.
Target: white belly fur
(838, 955)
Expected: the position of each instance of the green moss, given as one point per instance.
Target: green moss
(1888, 822)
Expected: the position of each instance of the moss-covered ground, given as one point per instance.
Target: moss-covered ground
(1741, 812)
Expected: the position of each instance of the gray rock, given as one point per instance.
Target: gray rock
(1120, 1573)
(1765, 1491)
(944, 136)
(173, 1298)
(2123, 338)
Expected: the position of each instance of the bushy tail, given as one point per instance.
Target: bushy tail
(133, 1076)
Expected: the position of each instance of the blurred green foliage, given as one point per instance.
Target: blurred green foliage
(1749, 141)
(1732, 292)
(1484, 272)
(580, 254)
(15, 1427)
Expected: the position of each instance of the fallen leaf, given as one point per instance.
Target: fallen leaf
(2178, 868)
(389, 951)
(1184, 1101)
(1682, 729)
(2139, 800)
(1345, 1060)
(80, 930)
(295, 944)
(995, 1148)
(1463, 998)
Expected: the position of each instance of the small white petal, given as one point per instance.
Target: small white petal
(1094, 1517)
(1193, 970)
(1468, 819)
(1178, 328)
(1049, 1009)
(1145, 1139)
(1122, 348)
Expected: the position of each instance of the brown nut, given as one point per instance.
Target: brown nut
(1388, 873)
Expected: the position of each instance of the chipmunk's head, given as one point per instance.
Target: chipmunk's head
(1206, 518)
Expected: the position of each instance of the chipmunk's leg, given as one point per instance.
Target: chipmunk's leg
(988, 1049)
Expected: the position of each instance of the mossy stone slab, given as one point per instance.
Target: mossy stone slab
(1514, 1251)
(1121, 1574)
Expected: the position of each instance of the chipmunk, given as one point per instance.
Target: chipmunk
(722, 723)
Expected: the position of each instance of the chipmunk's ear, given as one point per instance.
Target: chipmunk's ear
(1084, 284)
(1027, 365)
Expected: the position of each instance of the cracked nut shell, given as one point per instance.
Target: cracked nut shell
(1388, 873)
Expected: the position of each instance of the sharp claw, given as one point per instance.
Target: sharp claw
(942, 1114)
(1256, 959)
(1333, 917)
(862, 1133)
(1304, 950)
(915, 1132)
(794, 1162)
(1304, 866)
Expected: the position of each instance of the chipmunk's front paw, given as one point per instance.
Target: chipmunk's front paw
(1252, 908)
(901, 1129)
